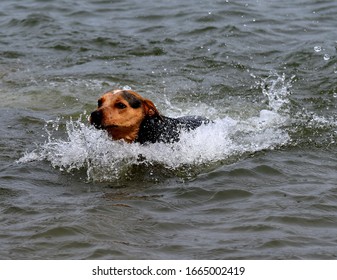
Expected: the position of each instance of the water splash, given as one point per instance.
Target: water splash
(318, 49)
(326, 57)
(224, 140)
(277, 90)
(104, 160)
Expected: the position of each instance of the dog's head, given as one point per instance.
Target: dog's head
(121, 112)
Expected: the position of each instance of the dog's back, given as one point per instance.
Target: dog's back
(167, 130)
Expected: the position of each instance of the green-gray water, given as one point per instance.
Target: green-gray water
(260, 182)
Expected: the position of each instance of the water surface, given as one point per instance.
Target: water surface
(257, 183)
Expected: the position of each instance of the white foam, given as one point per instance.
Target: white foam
(104, 159)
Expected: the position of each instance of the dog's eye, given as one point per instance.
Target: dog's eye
(120, 105)
(99, 103)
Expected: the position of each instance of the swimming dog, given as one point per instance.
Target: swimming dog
(126, 115)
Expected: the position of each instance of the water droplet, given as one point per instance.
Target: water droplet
(318, 48)
(326, 57)
(126, 88)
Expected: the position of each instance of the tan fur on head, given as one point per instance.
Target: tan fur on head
(121, 112)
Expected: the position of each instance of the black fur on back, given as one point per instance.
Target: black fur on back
(165, 129)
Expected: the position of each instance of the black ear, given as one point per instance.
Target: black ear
(131, 99)
(150, 109)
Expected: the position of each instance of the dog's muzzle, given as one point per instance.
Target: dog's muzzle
(96, 119)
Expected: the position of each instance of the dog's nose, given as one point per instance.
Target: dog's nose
(96, 119)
